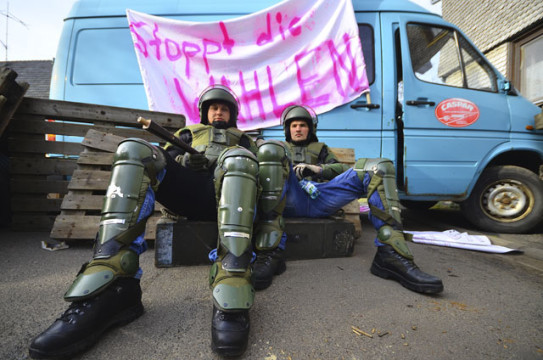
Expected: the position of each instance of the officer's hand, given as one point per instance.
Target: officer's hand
(196, 162)
(305, 170)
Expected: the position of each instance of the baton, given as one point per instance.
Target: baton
(155, 129)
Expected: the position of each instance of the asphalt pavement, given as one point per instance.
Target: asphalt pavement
(491, 308)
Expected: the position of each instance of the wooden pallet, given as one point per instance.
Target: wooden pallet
(40, 169)
(80, 209)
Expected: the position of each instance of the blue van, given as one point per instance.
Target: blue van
(455, 128)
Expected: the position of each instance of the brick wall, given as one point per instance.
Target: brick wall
(498, 57)
(489, 23)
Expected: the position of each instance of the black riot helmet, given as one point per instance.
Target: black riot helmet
(303, 113)
(218, 94)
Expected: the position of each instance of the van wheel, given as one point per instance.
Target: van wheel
(506, 199)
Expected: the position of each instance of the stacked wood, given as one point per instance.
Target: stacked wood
(44, 139)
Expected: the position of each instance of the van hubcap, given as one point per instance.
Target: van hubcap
(507, 200)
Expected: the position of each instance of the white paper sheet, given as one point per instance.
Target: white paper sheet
(453, 238)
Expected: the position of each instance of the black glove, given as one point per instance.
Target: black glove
(195, 162)
(305, 170)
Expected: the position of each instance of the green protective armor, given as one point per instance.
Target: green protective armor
(236, 182)
(305, 154)
(274, 170)
(135, 167)
(236, 188)
(212, 141)
(383, 181)
(395, 238)
(231, 291)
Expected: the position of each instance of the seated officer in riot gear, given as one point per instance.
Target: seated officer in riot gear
(329, 186)
(220, 183)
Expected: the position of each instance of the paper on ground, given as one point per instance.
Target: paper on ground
(453, 238)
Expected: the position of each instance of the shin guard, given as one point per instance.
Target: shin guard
(128, 203)
(274, 170)
(236, 185)
(387, 208)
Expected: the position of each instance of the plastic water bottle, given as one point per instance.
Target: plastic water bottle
(310, 188)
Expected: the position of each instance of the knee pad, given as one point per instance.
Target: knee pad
(139, 153)
(236, 189)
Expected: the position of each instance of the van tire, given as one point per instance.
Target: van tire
(506, 199)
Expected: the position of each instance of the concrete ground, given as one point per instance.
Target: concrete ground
(492, 306)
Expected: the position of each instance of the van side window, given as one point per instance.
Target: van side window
(365, 31)
(441, 55)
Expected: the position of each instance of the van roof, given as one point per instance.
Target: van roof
(99, 8)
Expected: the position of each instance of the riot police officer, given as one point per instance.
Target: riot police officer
(220, 183)
(332, 185)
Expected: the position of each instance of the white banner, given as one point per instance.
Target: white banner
(296, 52)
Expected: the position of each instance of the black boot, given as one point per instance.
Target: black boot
(266, 265)
(388, 264)
(82, 324)
(229, 332)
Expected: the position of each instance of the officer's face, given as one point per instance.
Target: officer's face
(218, 112)
(299, 130)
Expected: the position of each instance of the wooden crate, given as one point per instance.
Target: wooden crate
(352, 209)
(41, 169)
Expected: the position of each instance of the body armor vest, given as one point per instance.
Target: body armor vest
(305, 154)
(213, 141)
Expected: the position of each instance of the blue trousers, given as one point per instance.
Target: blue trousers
(334, 194)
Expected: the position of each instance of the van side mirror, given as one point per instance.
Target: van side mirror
(508, 88)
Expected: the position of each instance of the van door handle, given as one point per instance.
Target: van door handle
(420, 102)
(364, 105)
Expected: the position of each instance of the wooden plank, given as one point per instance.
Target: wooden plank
(102, 141)
(41, 146)
(38, 186)
(32, 222)
(42, 166)
(344, 155)
(79, 201)
(66, 110)
(34, 124)
(95, 158)
(11, 93)
(34, 204)
(89, 180)
(85, 227)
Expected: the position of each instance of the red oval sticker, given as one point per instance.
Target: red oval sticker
(457, 112)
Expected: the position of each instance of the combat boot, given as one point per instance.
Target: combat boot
(388, 264)
(266, 265)
(229, 332)
(83, 323)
